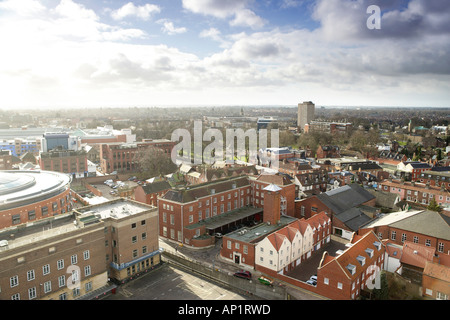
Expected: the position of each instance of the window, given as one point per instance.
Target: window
(31, 215)
(63, 296)
(229, 244)
(86, 255)
(60, 264)
(339, 285)
(133, 225)
(393, 235)
(30, 275)
(143, 223)
(47, 286)
(88, 286)
(191, 218)
(362, 260)
(351, 268)
(133, 239)
(135, 253)
(144, 235)
(87, 271)
(46, 269)
(16, 219)
(74, 259)
(14, 281)
(172, 219)
(32, 293)
(62, 281)
(428, 242)
(441, 247)
(326, 281)
(15, 296)
(403, 237)
(44, 211)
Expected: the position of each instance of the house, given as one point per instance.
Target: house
(150, 192)
(311, 183)
(385, 200)
(415, 192)
(411, 170)
(344, 276)
(343, 205)
(328, 152)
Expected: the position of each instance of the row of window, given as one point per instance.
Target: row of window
(14, 280)
(415, 240)
(47, 287)
(16, 218)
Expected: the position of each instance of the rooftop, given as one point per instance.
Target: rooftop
(257, 232)
(116, 209)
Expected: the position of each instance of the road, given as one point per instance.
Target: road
(170, 283)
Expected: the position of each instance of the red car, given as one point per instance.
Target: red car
(243, 274)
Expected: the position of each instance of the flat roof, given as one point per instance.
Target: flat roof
(116, 209)
(261, 230)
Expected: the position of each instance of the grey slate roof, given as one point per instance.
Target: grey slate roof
(157, 186)
(428, 222)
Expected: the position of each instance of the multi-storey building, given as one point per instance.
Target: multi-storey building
(280, 242)
(311, 183)
(121, 157)
(130, 236)
(328, 127)
(424, 227)
(27, 196)
(415, 192)
(56, 258)
(74, 163)
(192, 215)
(344, 276)
(411, 170)
(435, 178)
(305, 114)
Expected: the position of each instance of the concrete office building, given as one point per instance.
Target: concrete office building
(305, 114)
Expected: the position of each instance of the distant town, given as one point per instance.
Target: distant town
(357, 206)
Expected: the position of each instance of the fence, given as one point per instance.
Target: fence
(253, 287)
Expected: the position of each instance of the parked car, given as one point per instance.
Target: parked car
(313, 278)
(243, 274)
(311, 282)
(218, 235)
(266, 280)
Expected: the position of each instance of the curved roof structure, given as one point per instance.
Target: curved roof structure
(19, 188)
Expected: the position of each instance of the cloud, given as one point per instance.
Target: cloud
(130, 10)
(221, 9)
(170, 29)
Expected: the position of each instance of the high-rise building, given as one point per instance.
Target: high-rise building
(305, 114)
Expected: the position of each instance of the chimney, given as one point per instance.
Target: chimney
(271, 213)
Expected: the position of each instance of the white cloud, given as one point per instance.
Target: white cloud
(227, 9)
(22, 7)
(170, 29)
(129, 10)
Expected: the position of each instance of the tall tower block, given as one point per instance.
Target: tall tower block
(305, 114)
(272, 212)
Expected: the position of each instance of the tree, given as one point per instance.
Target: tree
(383, 292)
(434, 206)
(154, 162)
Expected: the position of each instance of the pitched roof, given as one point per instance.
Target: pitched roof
(278, 179)
(426, 222)
(438, 271)
(346, 197)
(349, 257)
(155, 187)
(416, 254)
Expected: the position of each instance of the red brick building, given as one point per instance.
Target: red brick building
(344, 276)
(150, 192)
(192, 215)
(436, 278)
(121, 157)
(328, 152)
(287, 193)
(425, 227)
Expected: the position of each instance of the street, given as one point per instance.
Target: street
(169, 283)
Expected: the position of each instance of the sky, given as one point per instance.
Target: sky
(84, 53)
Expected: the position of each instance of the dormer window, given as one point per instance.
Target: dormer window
(351, 268)
(361, 260)
(377, 245)
(369, 252)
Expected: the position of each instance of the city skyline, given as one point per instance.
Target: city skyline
(69, 53)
